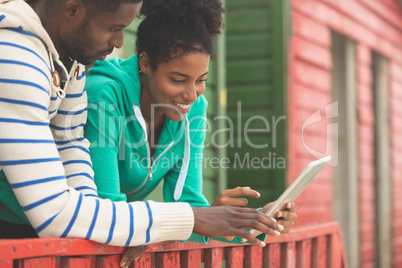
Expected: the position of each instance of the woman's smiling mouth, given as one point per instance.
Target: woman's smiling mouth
(182, 107)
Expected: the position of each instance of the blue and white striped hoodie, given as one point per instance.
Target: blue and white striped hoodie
(44, 160)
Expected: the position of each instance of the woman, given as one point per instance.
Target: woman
(147, 114)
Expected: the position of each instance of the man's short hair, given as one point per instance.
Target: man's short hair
(108, 5)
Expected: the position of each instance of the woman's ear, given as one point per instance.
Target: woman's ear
(145, 66)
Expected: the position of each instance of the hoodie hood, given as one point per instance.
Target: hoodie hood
(18, 15)
(123, 72)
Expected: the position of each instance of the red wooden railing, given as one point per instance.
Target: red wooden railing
(318, 245)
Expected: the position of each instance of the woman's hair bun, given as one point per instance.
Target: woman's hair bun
(173, 27)
(150, 7)
(195, 13)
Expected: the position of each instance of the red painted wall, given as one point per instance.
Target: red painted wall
(374, 25)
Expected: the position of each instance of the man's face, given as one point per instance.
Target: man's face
(95, 37)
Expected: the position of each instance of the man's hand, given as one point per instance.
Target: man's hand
(231, 221)
(229, 197)
(285, 217)
(131, 254)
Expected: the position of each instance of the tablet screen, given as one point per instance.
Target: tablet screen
(297, 187)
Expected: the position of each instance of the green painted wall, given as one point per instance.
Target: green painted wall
(256, 81)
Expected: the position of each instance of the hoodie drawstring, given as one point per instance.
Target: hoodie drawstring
(184, 165)
(141, 120)
(186, 156)
(56, 79)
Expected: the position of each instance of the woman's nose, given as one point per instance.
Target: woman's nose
(191, 94)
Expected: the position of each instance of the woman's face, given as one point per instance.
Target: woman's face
(176, 84)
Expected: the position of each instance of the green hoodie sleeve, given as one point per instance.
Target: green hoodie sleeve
(102, 130)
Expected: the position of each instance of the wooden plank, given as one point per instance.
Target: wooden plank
(334, 251)
(257, 44)
(346, 174)
(167, 259)
(213, 257)
(220, 94)
(28, 248)
(74, 262)
(248, 20)
(266, 256)
(274, 256)
(144, 261)
(6, 263)
(190, 259)
(314, 54)
(253, 123)
(246, 72)
(209, 95)
(288, 255)
(47, 262)
(314, 253)
(234, 257)
(303, 254)
(281, 32)
(248, 148)
(249, 119)
(261, 97)
(319, 250)
(108, 261)
(312, 76)
(253, 256)
(214, 79)
(327, 250)
(383, 181)
(310, 29)
(252, 173)
(235, 4)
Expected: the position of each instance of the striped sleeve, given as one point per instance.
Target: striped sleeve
(36, 166)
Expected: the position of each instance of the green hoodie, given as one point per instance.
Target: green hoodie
(119, 151)
(119, 147)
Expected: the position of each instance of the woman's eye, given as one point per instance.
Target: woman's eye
(177, 81)
(202, 80)
(113, 30)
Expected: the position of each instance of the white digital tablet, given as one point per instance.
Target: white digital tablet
(296, 188)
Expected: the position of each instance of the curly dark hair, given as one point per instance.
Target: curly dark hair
(108, 5)
(173, 27)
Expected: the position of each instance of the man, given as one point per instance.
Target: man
(47, 180)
